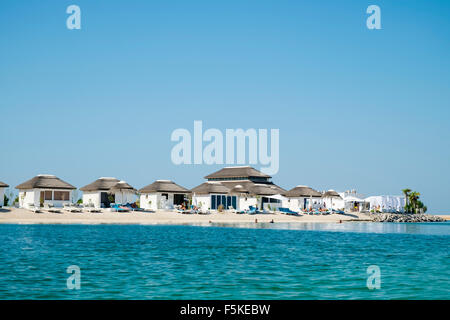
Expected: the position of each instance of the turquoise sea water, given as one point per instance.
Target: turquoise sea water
(254, 261)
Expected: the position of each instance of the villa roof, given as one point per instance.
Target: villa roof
(210, 187)
(238, 189)
(122, 185)
(253, 188)
(3, 185)
(44, 181)
(331, 194)
(265, 190)
(164, 186)
(101, 184)
(302, 191)
(236, 172)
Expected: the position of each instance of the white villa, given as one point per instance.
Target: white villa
(207, 196)
(104, 191)
(162, 195)
(302, 198)
(44, 189)
(237, 188)
(3, 186)
(333, 200)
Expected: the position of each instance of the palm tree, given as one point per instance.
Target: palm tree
(414, 198)
(406, 193)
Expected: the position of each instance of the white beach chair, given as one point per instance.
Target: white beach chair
(75, 207)
(70, 207)
(202, 211)
(33, 208)
(91, 208)
(51, 208)
(231, 209)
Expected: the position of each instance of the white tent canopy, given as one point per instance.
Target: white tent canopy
(387, 203)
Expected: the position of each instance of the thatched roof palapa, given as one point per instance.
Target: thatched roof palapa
(238, 189)
(210, 187)
(45, 181)
(331, 194)
(237, 172)
(101, 184)
(164, 186)
(3, 185)
(122, 186)
(302, 191)
(265, 190)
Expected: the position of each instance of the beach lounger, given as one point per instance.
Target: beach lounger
(33, 208)
(231, 209)
(288, 211)
(201, 211)
(51, 208)
(75, 207)
(187, 211)
(133, 207)
(252, 210)
(119, 208)
(91, 208)
(70, 207)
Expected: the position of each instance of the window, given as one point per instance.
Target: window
(226, 201)
(48, 195)
(61, 195)
(165, 195)
(213, 202)
(233, 202)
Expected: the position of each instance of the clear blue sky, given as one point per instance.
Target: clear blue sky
(356, 108)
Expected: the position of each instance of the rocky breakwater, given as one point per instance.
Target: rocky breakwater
(395, 217)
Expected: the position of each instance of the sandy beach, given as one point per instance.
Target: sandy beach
(22, 216)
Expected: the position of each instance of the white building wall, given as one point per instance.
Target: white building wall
(293, 204)
(34, 196)
(158, 201)
(149, 201)
(334, 203)
(2, 194)
(27, 197)
(93, 197)
(202, 201)
(246, 202)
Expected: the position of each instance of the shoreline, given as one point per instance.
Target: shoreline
(23, 216)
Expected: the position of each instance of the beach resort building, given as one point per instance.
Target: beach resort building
(45, 189)
(333, 200)
(3, 186)
(302, 198)
(162, 195)
(237, 188)
(210, 195)
(107, 190)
